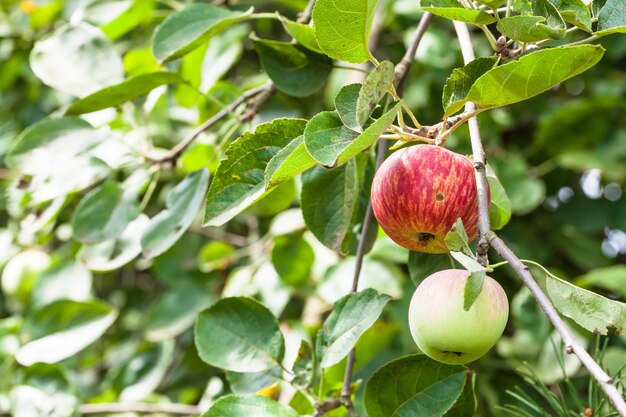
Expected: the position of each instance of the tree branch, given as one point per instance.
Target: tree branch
(142, 408)
(403, 67)
(489, 238)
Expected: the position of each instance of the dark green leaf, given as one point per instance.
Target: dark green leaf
(588, 309)
(422, 265)
(127, 90)
(474, 284)
(62, 329)
(187, 29)
(532, 74)
(249, 406)
(293, 69)
(290, 161)
(346, 102)
(328, 200)
(612, 18)
(451, 9)
(500, 209)
(352, 315)
(239, 180)
(343, 29)
(183, 203)
(239, 334)
(460, 82)
(414, 386)
(304, 367)
(377, 83)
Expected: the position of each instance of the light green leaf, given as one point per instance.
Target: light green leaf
(215, 255)
(351, 316)
(182, 205)
(239, 180)
(333, 144)
(77, 59)
(575, 12)
(138, 12)
(252, 382)
(345, 104)
(65, 281)
(612, 18)
(328, 200)
(127, 90)
(474, 284)
(115, 253)
(414, 386)
(456, 239)
(460, 82)
(249, 406)
(304, 366)
(500, 209)
(187, 29)
(145, 371)
(343, 28)
(589, 310)
(104, 213)
(62, 329)
(290, 161)
(493, 4)
(611, 278)
(532, 74)
(451, 9)
(304, 34)
(526, 28)
(293, 69)
(239, 334)
(377, 83)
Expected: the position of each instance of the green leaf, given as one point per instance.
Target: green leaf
(532, 74)
(328, 200)
(451, 9)
(345, 104)
(187, 29)
(145, 370)
(343, 28)
(612, 18)
(127, 90)
(589, 310)
(527, 28)
(105, 212)
(115, 253)
(456, 239)
(304, 367)
(64, 281)
(377, 83)
(554, 20)
(62, 329)
(413, 386)
(138, 12)
(239, 334)
(493, 4)
(460, 82)
(500, 209)
(215, 255)
(239, 180)
(474, 284)
(76, 59)
(422, 265)
(351, 316)
(333, 144)
(182, 205)
(175, 311)
(249, 406)
(294, 69)
(253, 382)
(293, 259)
(290, 161)
(575, 12)
(611, 278)
(304, 34)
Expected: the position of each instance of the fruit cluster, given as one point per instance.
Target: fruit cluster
(417, 195)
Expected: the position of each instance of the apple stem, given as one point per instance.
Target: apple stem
(487, 238)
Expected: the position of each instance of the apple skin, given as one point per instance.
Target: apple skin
(447, 333)
(419, 192)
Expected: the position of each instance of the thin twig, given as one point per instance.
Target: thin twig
(570, 342)
(403, 67)
(142, 408)
(480, 159)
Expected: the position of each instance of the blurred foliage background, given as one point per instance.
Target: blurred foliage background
(561, 157)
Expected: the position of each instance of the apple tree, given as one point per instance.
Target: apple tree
(193, 219)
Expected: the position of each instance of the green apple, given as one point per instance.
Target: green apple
(447, 333)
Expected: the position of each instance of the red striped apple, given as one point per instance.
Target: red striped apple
(418, 194)
(447, 333)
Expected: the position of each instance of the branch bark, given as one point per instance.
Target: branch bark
(141, 408)
(572, 346)
(403, 67)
